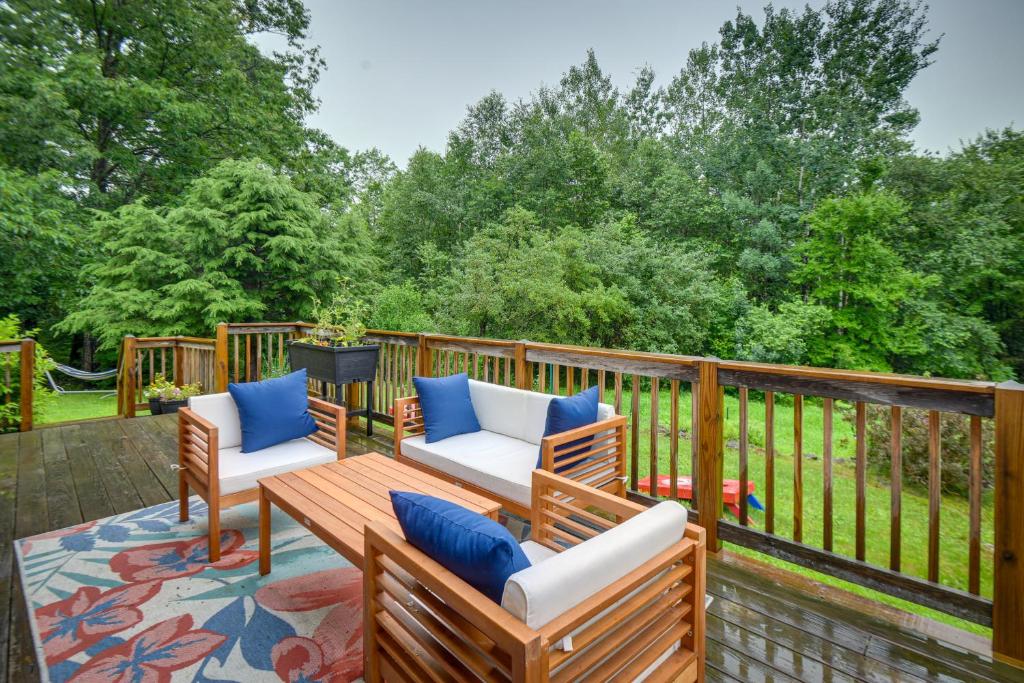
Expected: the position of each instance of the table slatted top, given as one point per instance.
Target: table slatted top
(336, 500)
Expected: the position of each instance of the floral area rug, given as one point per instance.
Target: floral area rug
(133, 598)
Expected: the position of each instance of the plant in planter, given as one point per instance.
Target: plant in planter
(165, 398)
(334, 352)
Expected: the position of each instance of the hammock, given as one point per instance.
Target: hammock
(81, 375)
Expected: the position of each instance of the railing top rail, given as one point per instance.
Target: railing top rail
(616, 353)
(477, 341)
(10, 346)
(909, 381)
(170, 342)
(390, 333)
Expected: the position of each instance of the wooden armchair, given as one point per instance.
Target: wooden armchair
(421, 622)
(210, 461)
(599, 463)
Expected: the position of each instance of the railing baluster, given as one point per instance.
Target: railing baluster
(974, 535)
(673, 426)
(259, 357)
(508, 371)
(555, 381)
(934, 490)
(895, 487)
(235, 379)
(152, 367)
(634, 431)
(861, 477)
(618, 393)
(584, 379)
(694, 441)
(497, 368)
(600, 386)
(798, 468)
(248, 358)
(826, 455)
(653, 455)
(542, 377)
(743, 464)
(769, 462)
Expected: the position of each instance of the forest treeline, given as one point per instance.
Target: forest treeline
(764, 202)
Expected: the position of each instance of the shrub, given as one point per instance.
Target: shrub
(956, 448)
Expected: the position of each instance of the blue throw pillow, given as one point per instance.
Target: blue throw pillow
(569, 413)
(447, 408)
(476, 549)
(273, 411)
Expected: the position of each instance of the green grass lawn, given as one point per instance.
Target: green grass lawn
(71, 407)
(954, 509)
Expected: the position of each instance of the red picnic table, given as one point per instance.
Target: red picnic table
(730, 491)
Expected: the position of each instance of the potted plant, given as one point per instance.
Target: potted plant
(165, 398)
(334, 352)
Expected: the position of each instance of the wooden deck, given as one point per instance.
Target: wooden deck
(761, 626)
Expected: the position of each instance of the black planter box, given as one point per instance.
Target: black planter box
(335, 364)
(158, 407)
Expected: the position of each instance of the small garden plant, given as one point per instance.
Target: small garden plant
(164, 390)
(339, 322)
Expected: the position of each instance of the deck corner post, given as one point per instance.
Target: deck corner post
(28, 367)
(424, 357)
(130, 375)
(710, 461)
(220, 353)
(523, 379)
(1008, 582)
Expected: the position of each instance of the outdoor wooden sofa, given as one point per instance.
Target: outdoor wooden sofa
(606, 605)
(499, 460)
(210, 461)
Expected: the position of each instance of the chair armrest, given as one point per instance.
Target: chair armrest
(600, 462)
(408, 416)
(564, 512)
(198, 450)
(411, 604)
(330, 423)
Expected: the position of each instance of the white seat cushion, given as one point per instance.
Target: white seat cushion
(239, 471)
(492, 461)
(539, 593)
(220, 409)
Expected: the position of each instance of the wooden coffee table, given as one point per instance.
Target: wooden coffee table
(336, 500)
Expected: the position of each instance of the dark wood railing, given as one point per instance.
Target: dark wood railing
(19, 353)
(624, 377)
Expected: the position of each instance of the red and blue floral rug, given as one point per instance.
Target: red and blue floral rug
(133, 598)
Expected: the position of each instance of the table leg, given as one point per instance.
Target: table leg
(264, 533)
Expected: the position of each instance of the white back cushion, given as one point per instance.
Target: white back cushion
(220, 409)
(498, 409)
(538, 594)
(518, 413)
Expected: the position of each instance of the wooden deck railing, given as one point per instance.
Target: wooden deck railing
(19, 353)
(692, 433)
(182, 360)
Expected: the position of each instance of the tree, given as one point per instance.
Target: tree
(39, 240)
(848, 266)
(244, 244)
(133, 99)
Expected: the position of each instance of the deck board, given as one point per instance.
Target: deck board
(758, 630)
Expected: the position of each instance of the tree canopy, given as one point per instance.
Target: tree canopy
(764, 202)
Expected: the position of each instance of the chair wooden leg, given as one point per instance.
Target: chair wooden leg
(214, 525)
(182, 498)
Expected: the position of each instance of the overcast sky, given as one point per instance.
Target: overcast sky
(400, 74)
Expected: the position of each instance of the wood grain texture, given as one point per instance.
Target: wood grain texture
(895, 486)
(947, 395)
(1008, 608)
(709, 469)
(649, 365)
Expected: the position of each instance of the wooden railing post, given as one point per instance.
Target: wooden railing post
(28, 366)
(709, 461)
(523, 378)
(179, 364)
(128, 353)
(1008, 585)
(424, 357)
(220, 355)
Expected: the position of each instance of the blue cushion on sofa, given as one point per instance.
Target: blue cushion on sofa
(272, 411)
(570, 413)
(447, 408)
(476, 549)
